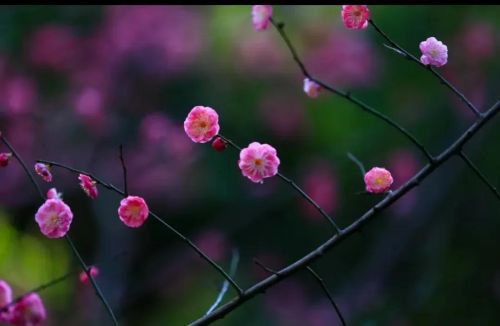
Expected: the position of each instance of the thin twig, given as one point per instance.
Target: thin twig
(294, 186)
(225, 285)
(73, 248)
(347, 95)
(358, 163)
(23, 165)
(47, 285)
(368, 216)
(264, 267)
(411, 57)
(111, 187)
(124, 168)
(94, 283)
(327, 293)
(479, 174)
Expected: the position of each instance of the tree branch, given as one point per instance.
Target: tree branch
(411, 57)
(262, 286)
(280, 27)
(111, 187)
(479, 174)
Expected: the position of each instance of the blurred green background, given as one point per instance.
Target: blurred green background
(78, 81)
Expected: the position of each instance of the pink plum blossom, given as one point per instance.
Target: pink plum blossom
(88, 185)
(378, 180)
(54, 218)
(29, 311)
(258, 161)
(311, 88)
(434, 52)
(43, 170)
(355, 16)
(261, 14)
(4, 158)
(5, 299)
(133, 211)
(94, 271)
(202, 124)
(53, 194)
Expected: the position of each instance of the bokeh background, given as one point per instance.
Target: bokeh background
(78, 81)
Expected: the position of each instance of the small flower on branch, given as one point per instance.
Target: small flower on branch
(133, 211)
(219, 144)
(258, 161)
(94, 271)
(202, 124)
(355, 16)
(54, 217)
(88, 185)
(28, 311)
(378, 180)
(261, 15)
(311, 88)
(434, 52)
(4, 159)
(43, 170)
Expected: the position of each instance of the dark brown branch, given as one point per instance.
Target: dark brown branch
(479, 174)
(327, 293)
(157, 218)
(124, 168)
(262, 286)
(411, 57)
(347, 95)
(73, 248)
(294, 186)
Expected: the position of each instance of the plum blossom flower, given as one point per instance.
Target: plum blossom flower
(29, 311)
(311, 88)
(434, 52)
(43, 170)
(258, 161)
(202, 124)
(133, 211)
(5, 296)
(53, 194)
(54, 217)
(94, 271)
(261, 14)
(355, 16)
(378, 180)
(4, 158)
(88, 185)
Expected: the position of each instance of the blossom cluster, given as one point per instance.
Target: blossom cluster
(29, 310)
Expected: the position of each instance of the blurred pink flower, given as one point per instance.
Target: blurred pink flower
(283, 115)
(89, 105)
(311, 88)
(378, 180)
(5, 293)
(355, 16)
(287, 302)
(4, 159)
(344, 59)
(434, 52)
(54, 218)
(29, 311)
(322, 314)
(321, 185)
(213, 243)
(55, 47)
(261, 15)
(94, 271)
(18, 95)
(403, 165)
(133, 211)
(88, 185)
(477, 39)
(202, 124)
(259, 161)
(43, 170)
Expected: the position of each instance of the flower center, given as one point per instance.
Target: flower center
(53, 219)
(258, 162)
